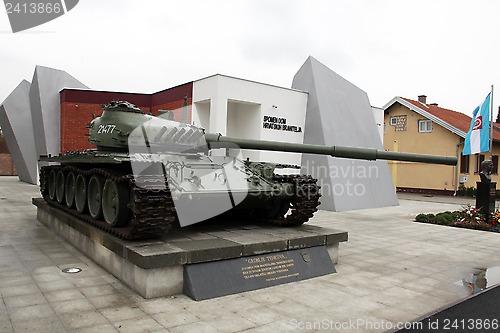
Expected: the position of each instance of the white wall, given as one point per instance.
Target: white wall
(237, 107)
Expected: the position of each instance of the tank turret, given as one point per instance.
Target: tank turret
(148, 173)
(123, 126)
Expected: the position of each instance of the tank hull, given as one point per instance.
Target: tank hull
(161, 190)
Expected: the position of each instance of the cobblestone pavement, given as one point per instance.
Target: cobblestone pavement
(391, 270)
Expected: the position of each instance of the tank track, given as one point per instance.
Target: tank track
(153, 211)
(304, 203)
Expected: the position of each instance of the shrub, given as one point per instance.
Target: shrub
(446, 218)
(426, 218)
(466, 191)
(468, 217)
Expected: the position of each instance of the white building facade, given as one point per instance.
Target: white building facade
(250, 110)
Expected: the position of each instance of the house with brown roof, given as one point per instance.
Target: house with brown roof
(419, 127)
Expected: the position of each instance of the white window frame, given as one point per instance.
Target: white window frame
(425, 126)
(393, 121)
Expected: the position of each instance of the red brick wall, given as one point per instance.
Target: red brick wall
(74, 120)
(77, 107)
(6, 166)
(3, 145)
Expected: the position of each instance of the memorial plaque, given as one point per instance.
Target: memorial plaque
(225, 277)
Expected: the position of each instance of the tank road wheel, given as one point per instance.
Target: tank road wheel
(94, 196)
(81, 193)
(69, 191)
(115, 199)
(52, 184)
(60, 185)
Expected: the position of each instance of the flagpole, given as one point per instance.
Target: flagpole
(491, 124)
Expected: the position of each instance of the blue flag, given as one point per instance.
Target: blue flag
(477, 139)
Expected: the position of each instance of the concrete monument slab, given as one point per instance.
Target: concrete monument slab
(156, 267)
(16, 123)
(339, 113)
(46, 108)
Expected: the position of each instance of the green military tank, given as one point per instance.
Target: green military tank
(148, 173)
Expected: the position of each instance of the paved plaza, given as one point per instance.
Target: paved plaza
(392, 270)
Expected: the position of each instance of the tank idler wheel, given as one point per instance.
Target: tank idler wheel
(60, 185)
(69, 191)
(94, 196)
(81, 193)
(44, 182)
(115, 200)
(52, 184)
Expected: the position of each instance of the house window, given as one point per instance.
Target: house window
(464, 163)
(477, 165)
(494, 159)
(401, 125)
(425, 126)
(399, 122)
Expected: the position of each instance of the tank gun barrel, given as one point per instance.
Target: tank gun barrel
(217, 140)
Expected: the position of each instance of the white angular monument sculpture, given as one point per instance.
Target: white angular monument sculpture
(15, 120)
(46, 108)
(339, 113)
(30, 119)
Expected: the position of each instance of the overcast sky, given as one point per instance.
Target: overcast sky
(448, 50)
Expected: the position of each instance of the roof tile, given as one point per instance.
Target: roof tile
(454, 118)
